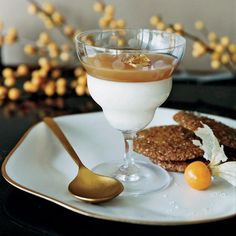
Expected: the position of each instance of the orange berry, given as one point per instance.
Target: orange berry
(11, 36)
(212, 36)
(9, 81)
(48, 23)
(109, 10)
(7, 72)
(43, 62)
(213, 45)
(37, 81)
(225, 58)
(44, 38)
(65, 56)
(215, 64)
(61, 91)
(98, 7)
(79, 71)
(199, 25)
(22, 70)
(43, 72)
(178, 27)
(80, 90)
(69, 30)
(57, 18)
(232, 48)
(215, 56)
(32, 9)
(50, 89)
(169, 30)
(29, 49)
(120, 23)
(219, 48)
(54, 53)
(48, 7)
(225, 41)
(154, 20)
(198, 175)
(103, 22)
(61, 82)
(82, 80)
(30, 87)
(14, 94)
(160, 25)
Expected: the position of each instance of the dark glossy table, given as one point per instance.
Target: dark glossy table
(24, 214)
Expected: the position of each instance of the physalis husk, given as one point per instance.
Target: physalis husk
(214, 153)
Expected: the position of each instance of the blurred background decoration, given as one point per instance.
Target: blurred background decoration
(222, 51)
(55, 59)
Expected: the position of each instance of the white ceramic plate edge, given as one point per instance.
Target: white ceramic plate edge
(88, 213)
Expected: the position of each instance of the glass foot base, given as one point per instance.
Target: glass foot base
(146, 177)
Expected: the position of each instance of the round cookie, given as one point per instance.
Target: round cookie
(167, 143)
(176, 166)
(225, 134)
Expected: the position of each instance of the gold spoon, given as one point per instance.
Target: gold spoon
(86, 186)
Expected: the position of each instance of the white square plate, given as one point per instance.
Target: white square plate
(39, 165)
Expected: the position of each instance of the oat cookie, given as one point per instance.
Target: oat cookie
(176, 166)
(225, 134)
(167, 143)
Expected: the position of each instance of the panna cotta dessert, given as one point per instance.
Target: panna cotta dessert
(129, 87)
(129, 82)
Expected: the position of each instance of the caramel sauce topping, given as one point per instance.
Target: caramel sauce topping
(130, 67)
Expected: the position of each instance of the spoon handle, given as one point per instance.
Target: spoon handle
(64, 141)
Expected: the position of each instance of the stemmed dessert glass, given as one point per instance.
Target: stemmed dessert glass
(129, 76)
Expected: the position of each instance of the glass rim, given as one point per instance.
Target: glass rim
(90, 32)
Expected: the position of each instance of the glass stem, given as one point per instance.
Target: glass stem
(128, 155)
(129, 170)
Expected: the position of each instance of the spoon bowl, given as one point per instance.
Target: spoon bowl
(95, 188)
(87, 185)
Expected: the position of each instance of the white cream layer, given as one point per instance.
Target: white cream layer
(129, 106)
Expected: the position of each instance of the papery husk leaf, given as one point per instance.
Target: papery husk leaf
(226, 171)
(213, 152)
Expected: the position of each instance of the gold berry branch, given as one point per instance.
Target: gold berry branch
(47, 78)
(221, 49)
(7, 86)
(51, 18)
(108, 19)
(9, 37)
(51, 51)
(45, 45)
